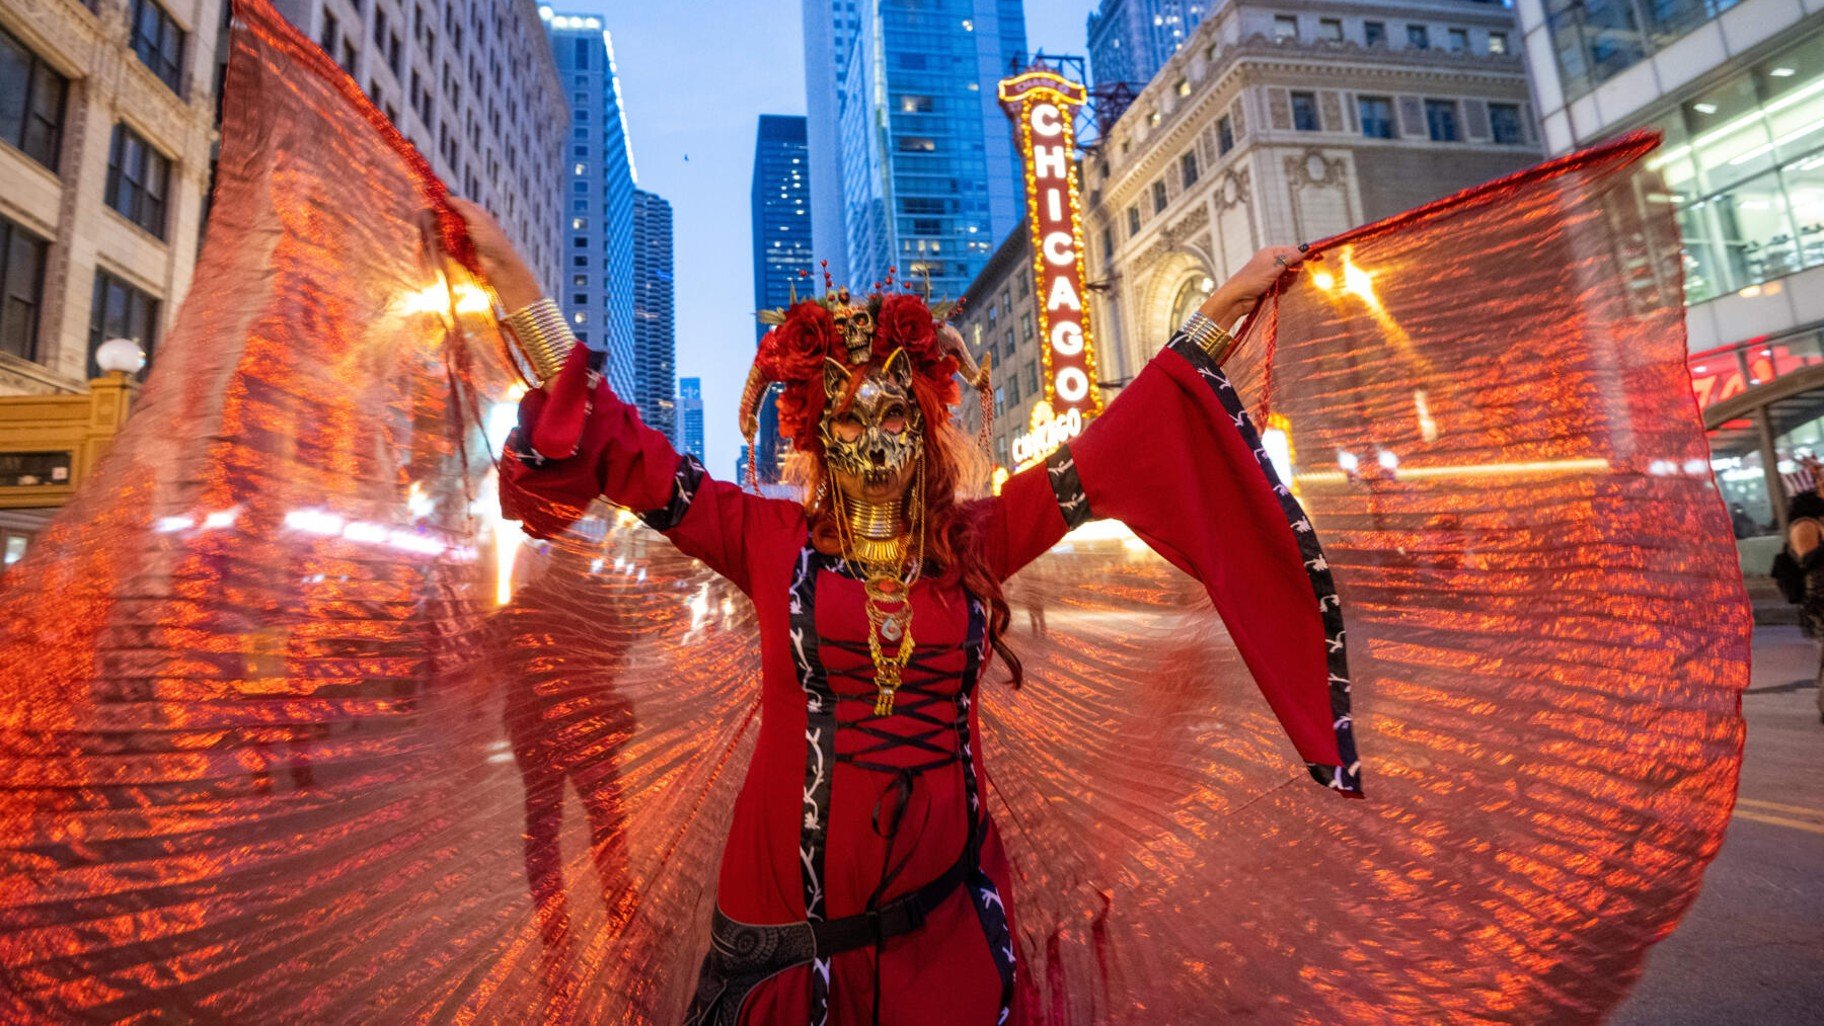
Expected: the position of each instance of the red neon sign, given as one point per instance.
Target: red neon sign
(1043, 106)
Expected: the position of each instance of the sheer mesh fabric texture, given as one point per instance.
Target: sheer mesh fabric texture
(272, 748)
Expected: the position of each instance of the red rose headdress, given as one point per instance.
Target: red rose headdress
(858, 334)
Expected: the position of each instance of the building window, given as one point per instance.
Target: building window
(917, 144)
(582, 53)
(159, 42)
(1159, 197)
(1497, 42)
(1377, 116)
(1459, 40)
(1108, 245)
(1330, 29)
(332, 33)
(21, 289)
(1441, 120)
(1374, 33)
(138, 179)
(1285, 26)
(120, 310)
(1597, 39)
(1133, 220)
(1418, 37)
(1504, 121)
(1225, 134)
(31, 102)
(1304, 112)
(1187, 168)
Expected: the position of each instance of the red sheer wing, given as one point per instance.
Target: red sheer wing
(1486, 417)
(271, 749)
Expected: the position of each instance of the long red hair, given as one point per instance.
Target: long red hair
(954, 467)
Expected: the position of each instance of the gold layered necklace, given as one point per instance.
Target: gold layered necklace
(876, 539)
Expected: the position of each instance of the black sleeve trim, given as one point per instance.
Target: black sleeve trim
(684, 489)
(1346, 778)
(1061, 470)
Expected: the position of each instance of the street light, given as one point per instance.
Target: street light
(120, 356)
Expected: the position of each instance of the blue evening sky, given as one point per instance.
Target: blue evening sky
(695, 76)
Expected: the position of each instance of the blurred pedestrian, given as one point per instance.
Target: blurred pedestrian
(1805, 539)
(1745, 527)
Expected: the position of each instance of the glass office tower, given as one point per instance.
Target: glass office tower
(920, 166)
(783, 250)
(655, 339)
(597, 203)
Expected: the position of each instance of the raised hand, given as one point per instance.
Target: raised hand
(501, 264)
(1237, 296)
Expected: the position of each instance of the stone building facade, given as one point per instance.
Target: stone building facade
(105, 171)
(998, 320)
(105, 155)
(1282, 122)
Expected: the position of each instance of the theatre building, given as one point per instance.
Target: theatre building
(1281, 123)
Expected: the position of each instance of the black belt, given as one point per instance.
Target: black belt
(741, 955)
(899, 916)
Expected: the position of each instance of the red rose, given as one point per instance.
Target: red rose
(795, 349)
(905, 323)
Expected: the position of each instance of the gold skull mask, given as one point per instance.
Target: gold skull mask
(879, 433)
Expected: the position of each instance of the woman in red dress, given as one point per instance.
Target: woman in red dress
(863, 880)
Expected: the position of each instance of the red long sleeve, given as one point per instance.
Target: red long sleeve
(621, 459)
(1177, 460)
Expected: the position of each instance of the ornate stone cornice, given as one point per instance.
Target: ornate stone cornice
(1193, 114)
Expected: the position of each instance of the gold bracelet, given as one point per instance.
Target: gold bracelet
(1212, 338)
(544, 337)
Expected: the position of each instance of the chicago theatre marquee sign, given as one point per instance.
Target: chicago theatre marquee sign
(1043, 106)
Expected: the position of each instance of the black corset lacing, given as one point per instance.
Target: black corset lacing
(916, 700)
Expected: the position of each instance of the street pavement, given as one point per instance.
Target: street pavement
(1751, 951)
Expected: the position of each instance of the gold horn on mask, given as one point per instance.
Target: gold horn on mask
(749, 420)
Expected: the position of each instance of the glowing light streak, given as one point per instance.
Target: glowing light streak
(1567, 466)
(314, 521)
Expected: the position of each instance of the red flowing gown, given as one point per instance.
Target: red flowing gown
(842, 810)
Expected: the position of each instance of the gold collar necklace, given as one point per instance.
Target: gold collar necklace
(876, 537)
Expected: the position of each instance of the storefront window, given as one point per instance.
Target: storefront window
(1743, 483)
(1746, 160)
(1755, 493)
(15, 543)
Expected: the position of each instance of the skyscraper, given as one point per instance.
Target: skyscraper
(475, 88)
(654, 329)
(1130, 40)
(690, 419)
(596, 217)
(780, 202)
(912, 159)
(783, 251)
